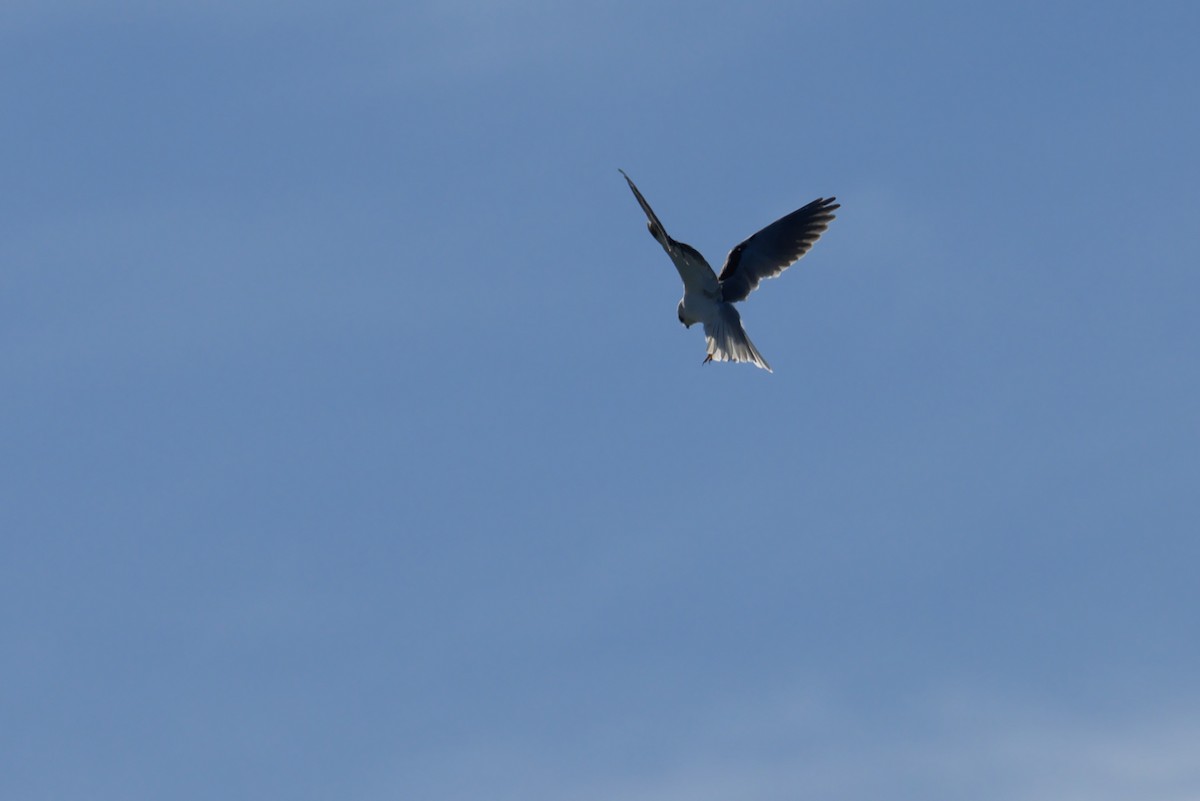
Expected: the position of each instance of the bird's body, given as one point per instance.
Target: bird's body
(708, 298)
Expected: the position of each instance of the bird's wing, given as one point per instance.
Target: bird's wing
(695, 271)
(775, 248)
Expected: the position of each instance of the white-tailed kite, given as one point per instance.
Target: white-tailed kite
(709, 298)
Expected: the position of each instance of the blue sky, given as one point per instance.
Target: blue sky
(354, 450)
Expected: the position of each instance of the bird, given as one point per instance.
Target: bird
(708, 298)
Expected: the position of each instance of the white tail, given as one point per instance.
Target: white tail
(727, 340)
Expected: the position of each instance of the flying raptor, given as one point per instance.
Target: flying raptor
(709, 298)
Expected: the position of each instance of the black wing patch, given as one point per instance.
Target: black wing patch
(772, 250)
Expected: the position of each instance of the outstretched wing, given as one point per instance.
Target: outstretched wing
(696, 273)
(775, 248)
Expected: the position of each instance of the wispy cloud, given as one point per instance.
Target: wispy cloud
(795, 746)
(968, 749)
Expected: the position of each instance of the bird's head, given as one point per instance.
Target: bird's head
(679, 311)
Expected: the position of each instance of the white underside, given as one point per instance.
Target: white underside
(723, 331)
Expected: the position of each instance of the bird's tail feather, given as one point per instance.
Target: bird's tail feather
(727, 340)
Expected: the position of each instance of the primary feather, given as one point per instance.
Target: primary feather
(772, 250)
